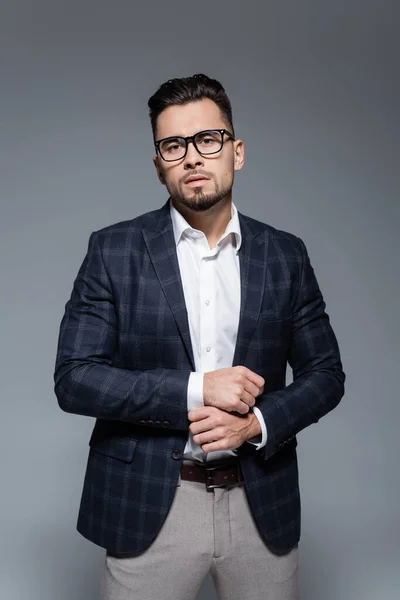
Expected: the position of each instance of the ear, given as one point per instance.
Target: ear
(238, 149)
(159, 174)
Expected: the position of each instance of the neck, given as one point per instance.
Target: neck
(211, 222)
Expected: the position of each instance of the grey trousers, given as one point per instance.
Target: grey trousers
(204, 532)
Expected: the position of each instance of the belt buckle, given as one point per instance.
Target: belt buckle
(211, 486)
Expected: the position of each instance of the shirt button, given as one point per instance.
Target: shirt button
(207, 302)
(208, 348)
(176, 454)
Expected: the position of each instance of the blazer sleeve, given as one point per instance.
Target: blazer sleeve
(318, 377)
(86, 382)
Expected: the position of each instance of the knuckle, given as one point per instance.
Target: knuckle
(238, 378)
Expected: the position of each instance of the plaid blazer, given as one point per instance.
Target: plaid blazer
(124, 357)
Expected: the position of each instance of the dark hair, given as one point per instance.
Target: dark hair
(189, 89)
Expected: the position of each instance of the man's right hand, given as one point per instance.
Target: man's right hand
(232, 389)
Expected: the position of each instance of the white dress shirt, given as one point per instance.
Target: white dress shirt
(211, 286)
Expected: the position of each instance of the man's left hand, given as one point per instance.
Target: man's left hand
(215, 429)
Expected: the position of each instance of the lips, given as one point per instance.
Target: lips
(195, 178)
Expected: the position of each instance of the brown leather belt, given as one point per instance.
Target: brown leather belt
(214, 476)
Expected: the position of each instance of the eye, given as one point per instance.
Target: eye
(210, 140)
(172, 146)
(207, 137)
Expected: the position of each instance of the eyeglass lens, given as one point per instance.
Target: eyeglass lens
(207, 142)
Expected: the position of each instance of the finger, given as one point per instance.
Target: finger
(256, 379)
(199, 413)
(207, 437)
(221, 444)
(251, 388)
(200, 426)
(248, 399)
(242, 408)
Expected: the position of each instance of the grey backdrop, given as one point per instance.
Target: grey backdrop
(315, 93)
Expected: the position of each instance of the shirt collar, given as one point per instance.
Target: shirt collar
(180, 225)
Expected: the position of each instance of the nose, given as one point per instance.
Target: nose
(193, 158)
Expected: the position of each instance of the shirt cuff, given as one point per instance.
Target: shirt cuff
(260, 418)
(195, 390)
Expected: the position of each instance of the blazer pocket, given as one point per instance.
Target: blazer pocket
(122, 448)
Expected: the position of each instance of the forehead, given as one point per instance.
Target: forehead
(190, 118)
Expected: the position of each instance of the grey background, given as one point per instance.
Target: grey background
(315, 94)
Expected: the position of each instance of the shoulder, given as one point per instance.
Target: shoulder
(131, 228)
(279, 241)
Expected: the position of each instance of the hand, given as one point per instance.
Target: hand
(214, 429)
(232, 389)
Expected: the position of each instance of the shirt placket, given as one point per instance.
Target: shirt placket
(208, 324)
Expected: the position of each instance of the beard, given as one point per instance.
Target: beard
(197, 199)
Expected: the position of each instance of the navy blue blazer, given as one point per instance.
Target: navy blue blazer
(124, 357)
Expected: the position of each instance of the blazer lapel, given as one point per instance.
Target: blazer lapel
(161, 246)
(253, 268)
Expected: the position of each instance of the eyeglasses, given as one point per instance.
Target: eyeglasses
(206, 142)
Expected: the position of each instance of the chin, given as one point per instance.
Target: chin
(201, 202)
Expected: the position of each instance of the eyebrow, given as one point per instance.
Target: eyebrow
(174, 137)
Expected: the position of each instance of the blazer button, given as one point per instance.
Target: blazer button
(157, 423)
(150, 422)
(165, 423)
(176, 454)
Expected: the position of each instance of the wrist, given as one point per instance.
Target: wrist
(205, 389)
(254, 428)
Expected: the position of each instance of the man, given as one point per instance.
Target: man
(176, 338)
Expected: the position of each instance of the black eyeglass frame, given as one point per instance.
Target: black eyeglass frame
(190, 138)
